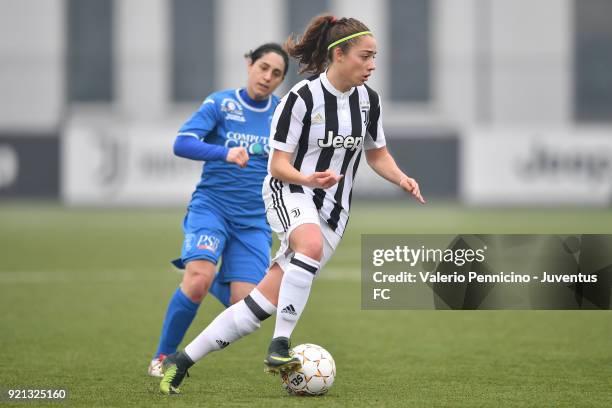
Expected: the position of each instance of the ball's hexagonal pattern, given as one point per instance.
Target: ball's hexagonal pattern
(316, 375)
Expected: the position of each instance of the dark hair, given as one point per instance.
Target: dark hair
(262, 50)
(310, 50)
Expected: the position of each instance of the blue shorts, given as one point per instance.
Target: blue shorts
(244, 251)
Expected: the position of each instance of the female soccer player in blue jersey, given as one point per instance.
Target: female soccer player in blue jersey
(226, 216)
(319, 131)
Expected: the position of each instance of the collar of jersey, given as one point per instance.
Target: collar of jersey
(328, 85)
(249, 107)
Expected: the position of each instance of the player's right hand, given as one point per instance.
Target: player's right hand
(238, 155)
(323, 179)
(411, 186)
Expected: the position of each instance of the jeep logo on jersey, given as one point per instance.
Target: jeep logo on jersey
(338, 141)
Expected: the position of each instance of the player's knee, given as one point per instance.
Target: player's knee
(195, 292)
(196, 283)
(312, 248)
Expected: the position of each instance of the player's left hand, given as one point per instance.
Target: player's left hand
(411, 186)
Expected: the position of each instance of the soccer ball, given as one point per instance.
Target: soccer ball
(316, 375)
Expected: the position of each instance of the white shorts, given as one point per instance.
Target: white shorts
(286, 211)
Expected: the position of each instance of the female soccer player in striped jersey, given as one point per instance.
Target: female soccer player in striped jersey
(318, 133)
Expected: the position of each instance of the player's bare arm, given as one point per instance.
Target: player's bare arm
(381, 161)
(282, 169)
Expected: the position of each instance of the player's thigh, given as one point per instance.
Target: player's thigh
(286, 209)
(205, 236)
(331, 240)
(246, 256)
(294, 218)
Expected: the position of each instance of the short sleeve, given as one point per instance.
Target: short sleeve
(375, 135)
(287, 123)
(203, 121)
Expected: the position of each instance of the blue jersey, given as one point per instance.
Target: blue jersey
(230, 119)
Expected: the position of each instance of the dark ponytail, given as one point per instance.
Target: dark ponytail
(310, 50)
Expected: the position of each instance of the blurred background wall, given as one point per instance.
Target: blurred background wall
(486, 102)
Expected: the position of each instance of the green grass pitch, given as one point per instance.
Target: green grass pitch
(83, 293)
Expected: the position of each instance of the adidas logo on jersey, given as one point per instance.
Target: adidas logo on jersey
(338, 141)
(223, 344)
(317, 119)
(289, 310)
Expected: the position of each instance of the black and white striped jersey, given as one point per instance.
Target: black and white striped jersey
(327, 129)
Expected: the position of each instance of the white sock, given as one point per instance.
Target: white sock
(233, 323)
(294, 291)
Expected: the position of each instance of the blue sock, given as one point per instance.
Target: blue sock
(180, 314)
